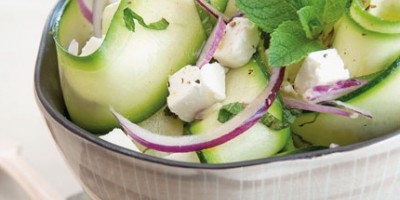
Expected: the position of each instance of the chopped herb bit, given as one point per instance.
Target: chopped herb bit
(289, 115)
(130, 16)
(229, 110)
(274, 123)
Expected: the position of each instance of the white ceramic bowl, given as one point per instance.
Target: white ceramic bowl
(367, 170)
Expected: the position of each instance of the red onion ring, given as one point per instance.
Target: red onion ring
(349, 107)
(321, 93)
(212, 43)
(85, 10)
(210, 9)
(299, 104)
(97, 10)
(227, 131)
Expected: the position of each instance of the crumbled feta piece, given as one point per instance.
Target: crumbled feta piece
(94, 42)
(73, 47)
(238, 43)
(192, 89)
(288, 89)
(320, 68)
(118, 137)
(91, 45)
(333, 145)
(185, 157)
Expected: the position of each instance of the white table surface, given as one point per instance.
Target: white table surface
(21, 25)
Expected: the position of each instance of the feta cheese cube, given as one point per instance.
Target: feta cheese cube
(118, 137)
(92, 45)
(73, 47)
(320, 68)
(238, 43)
(184, 157)
(192, 89)
(94, 42)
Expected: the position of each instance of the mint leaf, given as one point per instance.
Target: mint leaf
(267, 15)
(229, 110)
(324, 12)
(310, 19)
(289, 44)
(299, 4)
(130, 16)
(332, 12)
(297, 27)
(288, 118)
(273, 123)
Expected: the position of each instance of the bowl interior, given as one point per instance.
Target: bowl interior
(49, 94)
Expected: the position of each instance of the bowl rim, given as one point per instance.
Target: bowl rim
(47, 42)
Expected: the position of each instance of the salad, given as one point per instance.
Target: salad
(219, 81)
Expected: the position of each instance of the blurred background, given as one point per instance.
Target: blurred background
(21, 25)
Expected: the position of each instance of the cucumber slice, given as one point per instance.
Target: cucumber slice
(231, 9)
(364, 49)
(379, 97)
(386, 9)
(130, 70)
(243, 85)
(374, 21)
(219, 4)
(163, 123)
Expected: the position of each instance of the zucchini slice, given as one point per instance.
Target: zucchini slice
(366, 43)
(130, 70)
(369, 46)
(379, 97)
(243, 85)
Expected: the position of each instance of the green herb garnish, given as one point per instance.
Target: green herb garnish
(130, 16)
(297, 27)
(289, 115)
(229, 110)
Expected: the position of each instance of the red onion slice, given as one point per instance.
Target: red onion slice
(98, 8)
(238, 14)
(227, 131)
(213, 11)
(212, 43)
(349, 107)
(329, 92)
(299, 104)
(85, 10)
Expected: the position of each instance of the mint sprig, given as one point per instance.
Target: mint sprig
(130, 16)
(267, 14)
(297, 27)
(289, 44)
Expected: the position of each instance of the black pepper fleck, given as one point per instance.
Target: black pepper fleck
(250, 72)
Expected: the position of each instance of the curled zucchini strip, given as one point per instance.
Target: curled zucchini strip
(366, 41)
(129, 71)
